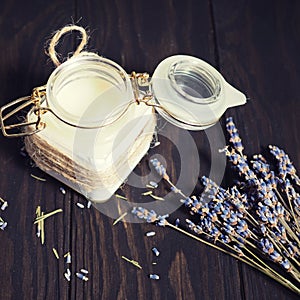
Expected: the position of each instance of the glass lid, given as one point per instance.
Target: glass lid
(188, 92)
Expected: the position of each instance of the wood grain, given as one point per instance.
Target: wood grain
(255, 44)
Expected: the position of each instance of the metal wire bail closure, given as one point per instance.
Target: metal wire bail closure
(13, 108)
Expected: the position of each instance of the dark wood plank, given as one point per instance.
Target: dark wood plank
(29, 270)
(254, 45)
(258, 45)
(138, 36)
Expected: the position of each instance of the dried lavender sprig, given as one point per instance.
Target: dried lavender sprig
(267, 270)
(234, 135)
(150, 216)
(288, 250)
(161, 221)
(270, 183)
(285, 166)
(241, 230)
(240, 234)
(143, 213)
(262, 168)
(280, 239)
(272, 212)
(240, 163)
(276, 257)
(161, 170)
(262, 266)
(228, 217)
(278, 234)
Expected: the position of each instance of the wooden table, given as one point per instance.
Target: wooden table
(254, 44)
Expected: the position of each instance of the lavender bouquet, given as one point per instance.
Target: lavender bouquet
(256, 221)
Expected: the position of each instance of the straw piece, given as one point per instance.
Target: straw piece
(55, 253)
(43, 217)
(120, 218)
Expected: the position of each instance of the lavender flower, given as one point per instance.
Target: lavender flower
(285, 166)
(262, 168)
(234, 135)
(159, 168)
(256, 221)
(239, 162)
(268, 247)
(150, 216)
(196, 228)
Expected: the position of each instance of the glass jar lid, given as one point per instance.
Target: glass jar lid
(188, 91)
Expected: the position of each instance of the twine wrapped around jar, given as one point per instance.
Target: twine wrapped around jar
(50, 159)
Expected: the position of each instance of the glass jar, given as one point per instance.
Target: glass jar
(94, 136)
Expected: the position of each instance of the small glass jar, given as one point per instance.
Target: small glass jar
(95, 135)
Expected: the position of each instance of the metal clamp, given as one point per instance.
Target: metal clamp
(33, 100)
(141, 87)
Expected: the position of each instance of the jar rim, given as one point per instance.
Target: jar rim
(186, 69)
(99, 66)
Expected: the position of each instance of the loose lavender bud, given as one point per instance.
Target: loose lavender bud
(150, 233)
(82, 277)
(80, 205)
(155, 251)
(154, 276)
(3, 225)
(62, 190)
(4, 205)
(153, 184)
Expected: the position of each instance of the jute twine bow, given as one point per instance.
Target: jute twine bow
(55, 39)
